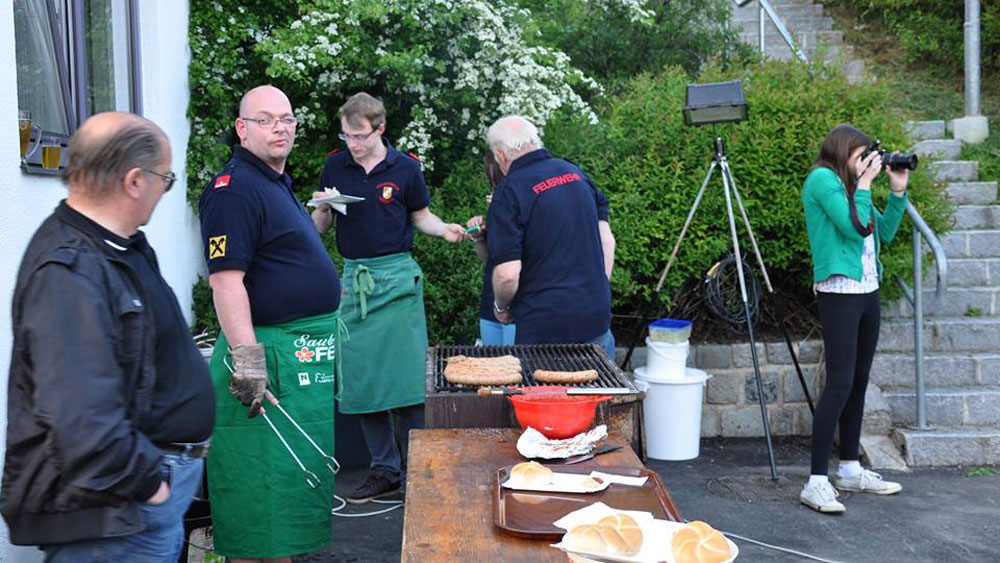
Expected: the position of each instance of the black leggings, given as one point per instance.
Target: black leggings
(850, 334)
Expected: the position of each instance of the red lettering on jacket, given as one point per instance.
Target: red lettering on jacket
(555, 181)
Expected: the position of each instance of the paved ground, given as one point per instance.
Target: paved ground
(942, 515)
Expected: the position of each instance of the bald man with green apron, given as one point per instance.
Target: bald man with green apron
(383, 301)
(277, 293)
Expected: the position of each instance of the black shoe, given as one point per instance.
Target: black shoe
(377, 485)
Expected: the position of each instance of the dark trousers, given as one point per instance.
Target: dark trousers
(380, 429)
(850, 334)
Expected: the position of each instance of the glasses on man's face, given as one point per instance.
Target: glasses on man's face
(356, 138)
(269, 122)
(169, 178)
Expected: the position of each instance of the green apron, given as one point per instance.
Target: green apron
(383, 309)
(261, 503)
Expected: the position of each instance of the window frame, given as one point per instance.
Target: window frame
(73, 83)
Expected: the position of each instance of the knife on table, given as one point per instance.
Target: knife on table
(585, 457)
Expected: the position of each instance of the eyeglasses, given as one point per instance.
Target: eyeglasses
(356, 138)
(269, 122)
(169, 178)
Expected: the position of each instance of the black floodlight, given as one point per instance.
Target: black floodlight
(717, 102)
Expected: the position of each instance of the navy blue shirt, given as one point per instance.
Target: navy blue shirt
(545, 213)
(380, 224)
(251, 221)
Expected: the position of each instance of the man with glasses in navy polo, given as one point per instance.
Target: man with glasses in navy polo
(276, 293)
(383, 302)
(551, 242)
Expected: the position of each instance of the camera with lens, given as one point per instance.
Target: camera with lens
(895, 161)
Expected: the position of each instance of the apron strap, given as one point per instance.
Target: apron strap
(364, 285)
(342, 335)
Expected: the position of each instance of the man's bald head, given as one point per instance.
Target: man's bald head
(273, 142)
(261, 95)
(513, 136)
(107, 146)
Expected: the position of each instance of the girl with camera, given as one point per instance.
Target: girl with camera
(846, 233)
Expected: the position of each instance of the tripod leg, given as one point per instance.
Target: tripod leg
(687, 223)
(727, 171)
(746, 308)
(798, 368)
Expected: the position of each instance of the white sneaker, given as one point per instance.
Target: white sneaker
(821, 497)
(867, 482)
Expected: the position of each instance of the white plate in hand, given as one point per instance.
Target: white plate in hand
(339, 198)
(561, 483)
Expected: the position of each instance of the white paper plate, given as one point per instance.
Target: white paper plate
(339, 198)
(657, 535)
(561, 483)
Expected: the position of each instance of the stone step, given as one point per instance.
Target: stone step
(973, 243)
(942, 334)
(968, 272)
(972, 193)
(955, 302)
(922, 130)
(806, 39)
(976, 217)
(947, 406)
(949, 446)
(897, 370)
(954, 170)
(794, 25)
(945, 149)
(750, 12)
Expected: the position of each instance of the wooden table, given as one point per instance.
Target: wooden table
(449, 497)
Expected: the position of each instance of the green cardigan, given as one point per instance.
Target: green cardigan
(836, 246)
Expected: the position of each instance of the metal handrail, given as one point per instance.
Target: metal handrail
(768, 10)
(915, 297)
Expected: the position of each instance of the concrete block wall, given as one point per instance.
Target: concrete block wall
(730, 406)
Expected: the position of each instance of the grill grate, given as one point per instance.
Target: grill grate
(555, 357)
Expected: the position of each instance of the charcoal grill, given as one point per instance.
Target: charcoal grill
(450, 405)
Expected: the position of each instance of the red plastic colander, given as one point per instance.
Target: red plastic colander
(556, 415)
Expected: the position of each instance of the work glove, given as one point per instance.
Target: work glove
(249, 379)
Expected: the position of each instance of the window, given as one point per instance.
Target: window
(75, 58)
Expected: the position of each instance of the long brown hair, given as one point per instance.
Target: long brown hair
(492, 169)
(834, 154)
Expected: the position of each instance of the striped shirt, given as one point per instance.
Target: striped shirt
(843, 284)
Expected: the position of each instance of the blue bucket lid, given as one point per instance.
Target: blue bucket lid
(670, 324)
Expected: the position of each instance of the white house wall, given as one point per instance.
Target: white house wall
(25, 200)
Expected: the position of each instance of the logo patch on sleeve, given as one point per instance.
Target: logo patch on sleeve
(221, 182)
(217, 246)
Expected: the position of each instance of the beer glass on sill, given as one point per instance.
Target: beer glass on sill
(24, 129)
(51, 152)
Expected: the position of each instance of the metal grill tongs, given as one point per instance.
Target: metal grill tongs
(311, 478)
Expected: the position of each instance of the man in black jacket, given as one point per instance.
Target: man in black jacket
(110, 405)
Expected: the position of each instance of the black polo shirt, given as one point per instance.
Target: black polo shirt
(380, 224)
(183, 401)
(545, 213)
(251, 221)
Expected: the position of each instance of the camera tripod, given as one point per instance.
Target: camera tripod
(729, 189)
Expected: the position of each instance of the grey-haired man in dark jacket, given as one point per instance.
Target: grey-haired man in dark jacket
(110, 405)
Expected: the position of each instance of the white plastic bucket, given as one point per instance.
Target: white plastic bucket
(672, 413)
(666, 360)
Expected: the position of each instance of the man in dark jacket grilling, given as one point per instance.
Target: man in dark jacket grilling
(110, 405)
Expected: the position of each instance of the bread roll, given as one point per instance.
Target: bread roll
(627, 527)
(617, 534)
(699, 543)
(595, 538)
(530, 474)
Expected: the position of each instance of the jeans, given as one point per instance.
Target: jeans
(162, 539)
(379, 430)
(607, 342)
(493, 333)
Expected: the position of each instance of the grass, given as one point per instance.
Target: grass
(982, 472)
(924, 92)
